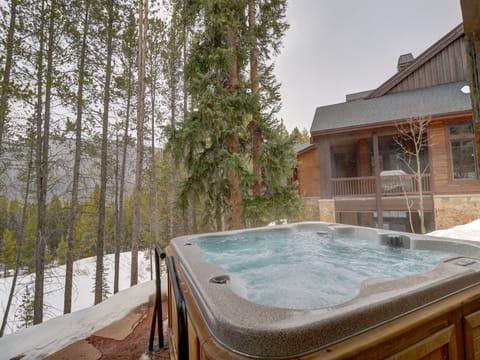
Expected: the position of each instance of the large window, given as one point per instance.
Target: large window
(462, 147)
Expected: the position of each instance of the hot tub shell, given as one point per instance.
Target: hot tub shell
(220, 320)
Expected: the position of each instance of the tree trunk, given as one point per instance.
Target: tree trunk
(116, 228)
(471, 25)
(472, 46)
(233, 142)
(256, 133)
(5, 86)
(18, 258)
(43, 132)
(142, 33)
(421, 211)
(103, 166)
(173, 115)
(121, 230)
(67, 304)
(156, 216)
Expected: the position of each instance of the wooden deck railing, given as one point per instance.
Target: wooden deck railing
(390, 185)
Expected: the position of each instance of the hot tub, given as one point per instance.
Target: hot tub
(225, 321)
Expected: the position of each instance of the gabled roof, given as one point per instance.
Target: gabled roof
(427, 102)
(421, 60)
(299, 148)
(428, 87)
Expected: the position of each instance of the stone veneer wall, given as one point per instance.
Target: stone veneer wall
(310, 209)
(452, 210)
(316, 209)
(326, 208)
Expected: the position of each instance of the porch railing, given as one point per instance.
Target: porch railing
(390, 185)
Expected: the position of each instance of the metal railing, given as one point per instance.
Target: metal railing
(181, 310)
(157, 310)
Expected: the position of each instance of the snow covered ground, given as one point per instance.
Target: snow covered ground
(469, 231)
(40, 340)
(83, 286)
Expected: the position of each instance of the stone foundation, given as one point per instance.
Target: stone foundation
(452, 210)
(310, 209)
(326, 209)
(316, 209)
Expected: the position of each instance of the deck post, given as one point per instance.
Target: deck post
(326, 183)
(378, 188)
(471, 13)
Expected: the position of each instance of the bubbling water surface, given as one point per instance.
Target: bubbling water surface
(308, 269)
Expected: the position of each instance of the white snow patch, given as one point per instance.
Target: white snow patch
(83, 286)
(470, 231)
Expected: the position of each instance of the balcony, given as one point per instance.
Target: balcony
(393, 183)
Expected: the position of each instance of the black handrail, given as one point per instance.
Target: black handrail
(157, 310)
(181, 310)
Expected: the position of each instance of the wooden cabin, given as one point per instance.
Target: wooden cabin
(357, 169)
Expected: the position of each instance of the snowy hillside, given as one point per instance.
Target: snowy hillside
(83, 285)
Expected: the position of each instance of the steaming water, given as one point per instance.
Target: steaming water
(308, 270)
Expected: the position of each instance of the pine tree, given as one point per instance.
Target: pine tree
(103, 166)
(79, 109)
(124, 84)
(25, 312)
(8, 251)
(62, 252)
(5, 87)
(228, 138)
(142, 50)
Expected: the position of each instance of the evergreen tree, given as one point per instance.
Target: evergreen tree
(62, 252)
(300, 137)
(56, 220)
(79, 35)
(237, 153)
(6, 86)
(124, 84)
(137, 192)
(109, 26)
(24, 314)
(8, 251)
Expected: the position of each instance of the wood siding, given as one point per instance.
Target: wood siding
(449, 65)
(441, 179)
(442, 58)
(308, 173)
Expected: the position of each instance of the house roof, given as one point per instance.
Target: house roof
(417, 63)
(425, 102)
(303, 147)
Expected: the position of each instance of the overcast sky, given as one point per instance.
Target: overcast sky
(339, 47)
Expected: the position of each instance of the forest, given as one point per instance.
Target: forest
(124, 123)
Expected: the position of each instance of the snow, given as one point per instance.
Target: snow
(38, 341)
(470, 231)
(83, 286)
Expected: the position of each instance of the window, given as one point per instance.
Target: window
(462, 147)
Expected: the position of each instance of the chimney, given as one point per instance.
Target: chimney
(404, 61)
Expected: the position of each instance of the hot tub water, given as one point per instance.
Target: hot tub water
(311, 269)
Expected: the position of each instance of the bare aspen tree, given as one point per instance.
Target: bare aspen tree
(412, 141)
